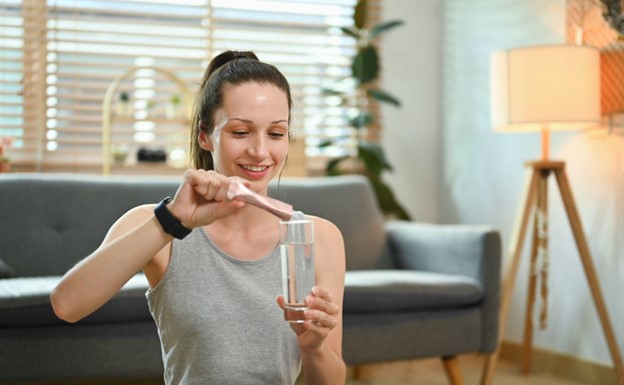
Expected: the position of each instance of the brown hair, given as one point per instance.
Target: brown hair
(228, 68)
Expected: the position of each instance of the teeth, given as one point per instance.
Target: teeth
(255, 168)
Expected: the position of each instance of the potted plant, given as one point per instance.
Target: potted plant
(120, 154)
(123, 106)
(370, 159)
(173, 107)
(613, 15)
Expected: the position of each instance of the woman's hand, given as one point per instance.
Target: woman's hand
(320, 318)
(202, 198)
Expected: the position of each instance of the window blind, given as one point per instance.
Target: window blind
(58, 57)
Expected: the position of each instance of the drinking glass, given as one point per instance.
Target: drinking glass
(297, 252)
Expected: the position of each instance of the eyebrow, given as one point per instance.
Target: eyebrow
(249, 121)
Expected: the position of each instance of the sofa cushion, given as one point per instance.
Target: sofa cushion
(384, 291)
(25, 302)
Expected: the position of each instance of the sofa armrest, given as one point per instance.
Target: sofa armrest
(468, 250)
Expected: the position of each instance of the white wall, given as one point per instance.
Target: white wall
(411, 59)
(451, 168)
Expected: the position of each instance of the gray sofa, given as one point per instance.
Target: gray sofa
(412, 290)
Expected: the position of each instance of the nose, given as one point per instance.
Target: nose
(259, 147)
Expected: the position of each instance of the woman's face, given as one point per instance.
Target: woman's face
(250, 139)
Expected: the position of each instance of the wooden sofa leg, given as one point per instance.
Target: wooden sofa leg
(356, 374)
(452, 369)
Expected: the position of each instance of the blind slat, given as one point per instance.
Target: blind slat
(58, 57)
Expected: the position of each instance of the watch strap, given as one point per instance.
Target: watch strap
(170, 224)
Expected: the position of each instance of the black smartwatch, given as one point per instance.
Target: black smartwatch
(169, 223)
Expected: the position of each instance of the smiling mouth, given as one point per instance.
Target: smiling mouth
(254, 168)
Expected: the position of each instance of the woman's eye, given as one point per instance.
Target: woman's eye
(277, 135)
(239, 133)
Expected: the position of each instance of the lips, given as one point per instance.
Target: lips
(254, 168)
(255, 171)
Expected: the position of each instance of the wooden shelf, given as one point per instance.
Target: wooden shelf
(109, 116)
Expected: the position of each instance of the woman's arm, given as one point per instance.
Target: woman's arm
(320, 336)
(136, 240)
(130, 244)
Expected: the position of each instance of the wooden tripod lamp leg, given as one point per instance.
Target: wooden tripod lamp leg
(537, 243)
(509, 280)
(539, 248)
(590, 272)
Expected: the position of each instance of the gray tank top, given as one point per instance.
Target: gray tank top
(218, 319)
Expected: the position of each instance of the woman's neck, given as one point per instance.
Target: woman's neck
(251, 233)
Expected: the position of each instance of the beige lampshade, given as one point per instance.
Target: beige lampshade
(545, 88)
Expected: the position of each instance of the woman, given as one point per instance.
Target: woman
(213, 264)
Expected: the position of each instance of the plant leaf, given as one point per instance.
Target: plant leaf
(344, 85)
(359, 16)
(350, 31)
(362, 119)
(326, 143)
(384, 27)
(373, 158)
(386, 199)
(332, 166)
(365, 65)
(330, 141)
(383, 96)
(378, 151)
(331, 91)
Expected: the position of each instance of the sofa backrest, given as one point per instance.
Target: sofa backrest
(51, 221)
(347, 201)
(48, 222)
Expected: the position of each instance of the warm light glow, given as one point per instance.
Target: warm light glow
(553, 86)
(545, 88)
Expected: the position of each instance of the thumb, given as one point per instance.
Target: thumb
(280, 301)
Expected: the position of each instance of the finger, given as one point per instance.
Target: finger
(207, 184)
(326, 314)
(197, 179)
(320, 292)
(228, 183)
(215, 183)
(322, 305)
(222, 193)
(244, 181)
(319, 319)
(280, 301)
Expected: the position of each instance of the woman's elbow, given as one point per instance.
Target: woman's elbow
(61, 306)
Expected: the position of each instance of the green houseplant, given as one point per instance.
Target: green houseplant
(370, 159)
(612, 14)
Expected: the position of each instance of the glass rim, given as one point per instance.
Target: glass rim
(296, 221)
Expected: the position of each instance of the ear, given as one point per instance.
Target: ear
(205, 141)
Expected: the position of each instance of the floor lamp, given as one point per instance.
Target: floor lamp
(542, 89)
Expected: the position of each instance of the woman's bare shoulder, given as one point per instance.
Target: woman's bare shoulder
(328, 240)
(324, 227)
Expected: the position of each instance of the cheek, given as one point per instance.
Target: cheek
(281, 149)
(230, 149)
